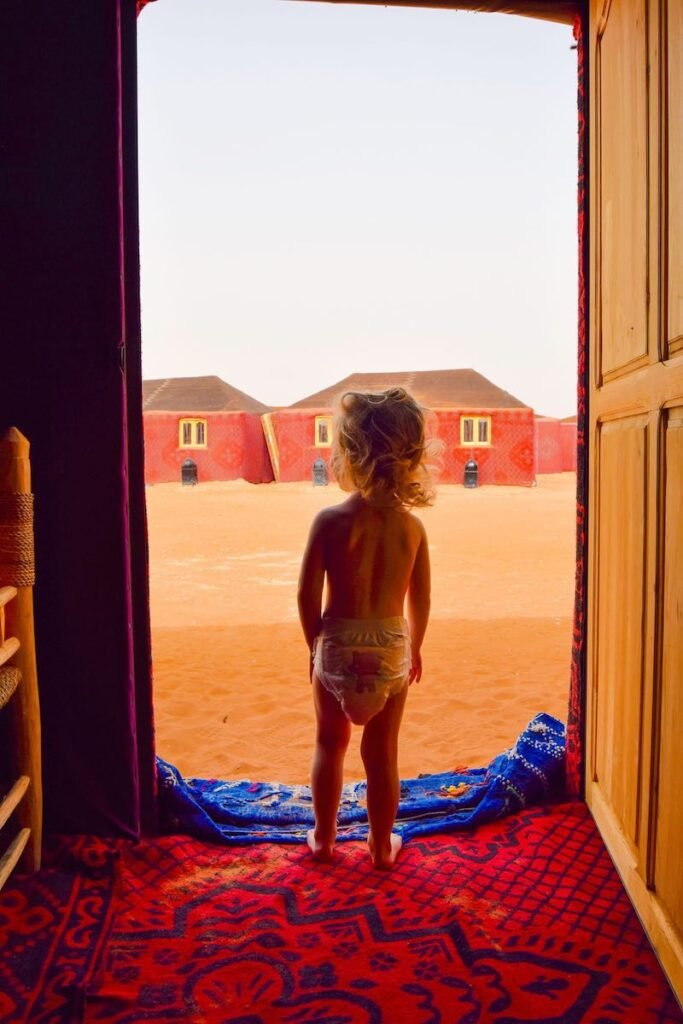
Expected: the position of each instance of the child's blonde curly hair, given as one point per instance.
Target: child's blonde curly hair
(379, 443)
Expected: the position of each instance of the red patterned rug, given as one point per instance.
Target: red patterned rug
(520, 921)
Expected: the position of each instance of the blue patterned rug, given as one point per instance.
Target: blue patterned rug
(531, 771)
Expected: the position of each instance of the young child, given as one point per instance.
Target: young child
(372, 553)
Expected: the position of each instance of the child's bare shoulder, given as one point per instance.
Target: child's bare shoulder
(330, 515)
(417, 527)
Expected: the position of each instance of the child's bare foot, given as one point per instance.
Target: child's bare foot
(321, 851)
(384, 860)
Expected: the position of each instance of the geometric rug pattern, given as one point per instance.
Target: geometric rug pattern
(519, 921)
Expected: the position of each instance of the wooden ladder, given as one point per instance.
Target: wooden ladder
(18, 675)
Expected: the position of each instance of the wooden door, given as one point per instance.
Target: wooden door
(635, 615)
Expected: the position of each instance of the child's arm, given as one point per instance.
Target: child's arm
(311, 580)
(419, 600)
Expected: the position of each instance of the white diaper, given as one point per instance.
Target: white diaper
(362, 662)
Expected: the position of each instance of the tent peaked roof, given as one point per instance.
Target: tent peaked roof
(434, 389)
(196, 394)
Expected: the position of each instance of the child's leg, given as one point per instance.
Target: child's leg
(332, 739)
(379, 750)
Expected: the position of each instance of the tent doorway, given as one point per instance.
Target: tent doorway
(498, 623)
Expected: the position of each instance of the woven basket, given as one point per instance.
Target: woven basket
(9, 680)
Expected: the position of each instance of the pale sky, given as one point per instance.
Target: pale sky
(327, 189)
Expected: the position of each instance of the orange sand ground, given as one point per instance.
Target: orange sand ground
(232, 697)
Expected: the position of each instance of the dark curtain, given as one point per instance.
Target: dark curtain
(71, 383)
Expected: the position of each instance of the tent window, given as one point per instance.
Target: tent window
(323, 431)
(475, 430)
(192, 434)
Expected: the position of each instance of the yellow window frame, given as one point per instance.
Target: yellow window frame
(194, 425)
(475, 420)
(323, 421)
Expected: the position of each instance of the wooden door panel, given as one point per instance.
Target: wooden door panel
(622, 99)
(635, 559)
(668, 871)
(621, 543)
(674, 183)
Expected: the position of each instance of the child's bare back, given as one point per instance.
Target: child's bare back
(369, 553)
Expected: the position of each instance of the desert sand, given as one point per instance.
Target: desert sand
(232, 698)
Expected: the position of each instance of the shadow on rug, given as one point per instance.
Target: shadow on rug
(517, 921)
(53, 927)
